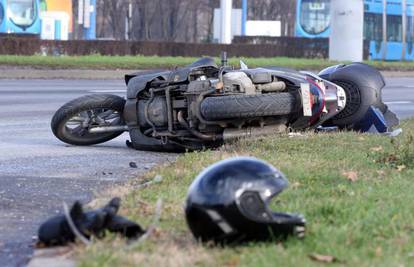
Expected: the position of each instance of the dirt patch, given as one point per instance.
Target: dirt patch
(172, 254)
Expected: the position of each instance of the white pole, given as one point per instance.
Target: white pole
(384, 29)
(404, 28)
(226, 9)
(81, 11)
(347, 30)
(128, 19)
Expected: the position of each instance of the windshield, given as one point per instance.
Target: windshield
(315, 16)
(22, 12)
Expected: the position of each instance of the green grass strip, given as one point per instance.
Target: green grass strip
(154, 62)
(355, 190)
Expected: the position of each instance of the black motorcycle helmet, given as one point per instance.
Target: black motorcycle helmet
(228, 203)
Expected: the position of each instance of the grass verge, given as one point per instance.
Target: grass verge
(355, 190)
(154, 62)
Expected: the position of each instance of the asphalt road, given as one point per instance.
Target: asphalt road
(37, 171)
(399, 95)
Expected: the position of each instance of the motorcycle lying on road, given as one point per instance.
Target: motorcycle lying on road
(203, 105)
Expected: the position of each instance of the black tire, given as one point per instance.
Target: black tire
(363, 87)
(355, 106)
(249, 106)
(83, 104)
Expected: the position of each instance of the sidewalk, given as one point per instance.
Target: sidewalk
(30, 73)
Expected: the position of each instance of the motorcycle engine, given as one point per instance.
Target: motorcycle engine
(240, 82)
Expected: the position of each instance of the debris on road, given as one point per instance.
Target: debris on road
(351, 176)
(63, 229)
(133, 165)
(323, 258)
(158, 178)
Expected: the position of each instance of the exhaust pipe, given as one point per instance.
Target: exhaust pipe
(108, 129)
(232, 134)
(272, 87)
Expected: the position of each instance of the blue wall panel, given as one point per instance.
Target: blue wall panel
(394, 7)
(8, 26)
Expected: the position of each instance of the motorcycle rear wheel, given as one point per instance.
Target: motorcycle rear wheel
(363, 86)
(249, 106)
(72, 121)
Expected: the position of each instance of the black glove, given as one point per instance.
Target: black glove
(56, 231)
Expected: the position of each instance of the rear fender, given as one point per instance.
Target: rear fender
(369, 82)
(361, 74)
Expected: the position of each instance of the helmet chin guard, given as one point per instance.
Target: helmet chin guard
(229, 202)
(255, 208)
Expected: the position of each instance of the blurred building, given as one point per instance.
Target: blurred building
(56, 18)
(388, 25)
(64, 6)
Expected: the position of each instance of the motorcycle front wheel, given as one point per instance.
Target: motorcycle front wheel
(73, 122)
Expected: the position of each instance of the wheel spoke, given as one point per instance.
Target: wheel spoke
(105, 114)
(83, 114)
(80, 131)
(107, 117)
(73, 123)
(116, 121)
(77, 119)
(113, 116)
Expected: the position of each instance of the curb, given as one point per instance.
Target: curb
(88, 74)
(24, 73)
(52, 257)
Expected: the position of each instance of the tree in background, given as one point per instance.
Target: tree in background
(283, 10)
(180, 20)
